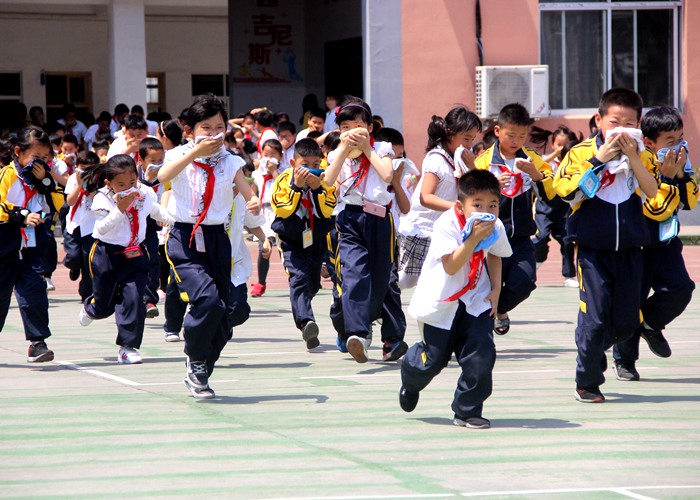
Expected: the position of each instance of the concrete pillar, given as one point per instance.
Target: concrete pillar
(381, 38)
(127, 52)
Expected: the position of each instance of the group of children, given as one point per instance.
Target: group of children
(460, 230)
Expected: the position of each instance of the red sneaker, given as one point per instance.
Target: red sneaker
(257, 290)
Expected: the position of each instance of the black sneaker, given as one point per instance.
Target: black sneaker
(408, 400)
(197, 375)
(39, 352)
(310, 335)
(657, 343)
(625, 372)
(394, 350)
(592, 395)
(472, 422)
(74, 274)
(152, 310)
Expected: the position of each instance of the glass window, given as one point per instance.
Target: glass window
(10, 85)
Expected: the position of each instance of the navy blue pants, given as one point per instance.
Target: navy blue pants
(24, 276)
(85, 285)
(49, 249)
(72, 245)
(471, 340)
(204, 280)
(664, 273)
(393, 318)
(610, 298)
(550, 219)
(366, 253)
(518, 274)
(151, 293)
(303, 267)
(117, 288)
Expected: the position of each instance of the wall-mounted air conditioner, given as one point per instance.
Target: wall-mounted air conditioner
(497, 86)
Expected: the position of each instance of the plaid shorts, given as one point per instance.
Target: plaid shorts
(413, 252)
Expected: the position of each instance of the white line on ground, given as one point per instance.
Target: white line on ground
(371, 497)
(628, 493)
(98, 373)
(619, 489)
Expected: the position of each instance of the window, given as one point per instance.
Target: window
(10, 95)
(155, 92)
(591, 46)
(216, 84)
(62, 88)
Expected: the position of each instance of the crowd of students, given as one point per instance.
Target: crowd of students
(156, 209)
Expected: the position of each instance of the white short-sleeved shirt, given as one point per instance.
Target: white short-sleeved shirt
(374, 188)
(59, 166)
(435, 284)
(287, 157)
(266, 136)
(302, 135)
(330, 124)
(78, 130)
(83, 216)
(419, 221)
(104, 205)
(114, 126)
(186, 201)
(266, 200)
(242, 264)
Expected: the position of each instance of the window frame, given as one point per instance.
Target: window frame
(605, 7)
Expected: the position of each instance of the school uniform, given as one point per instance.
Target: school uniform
(21, 252)
(152, 243)
(78, 130)
(302, 223)
(199, 249)
(515, 211)
(610, 230)
(119, 262)
(366, 242)
(454, 318)
(80, 218)
(265, 135)
(664, 268)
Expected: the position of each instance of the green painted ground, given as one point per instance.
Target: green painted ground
(293, 424)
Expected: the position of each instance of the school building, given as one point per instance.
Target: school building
(409, 58)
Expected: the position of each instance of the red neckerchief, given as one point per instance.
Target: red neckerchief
(266, 178)
(77, 202)
(476, 263)
(515, 189)
(260, 144)
(308, 205)
(28, 195)
(607, 179)
(208, 194)
(361, 172)
(133, 216)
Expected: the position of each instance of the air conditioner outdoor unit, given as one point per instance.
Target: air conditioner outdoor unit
(497, 86)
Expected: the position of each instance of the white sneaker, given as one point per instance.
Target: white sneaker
(161, 295)
(357, 347)
(571, 282)
(83, 317)
(129, 356)
(172, 336)
(50, 287)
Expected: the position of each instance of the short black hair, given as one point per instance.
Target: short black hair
(135, 122)
(100, 145)
(120, 109)
(274, 144)
(661, 119)
(307, 147)
(514, 114)
(205, 106)
(137, 109)
(71, 139)
(478, 181)
(623, 97)
(318, 113)
(264, 117)
(69, 108)
(332, 140)
(149, 143)
(288, 126)
(354, 108)
(104, 116)
(387, 134)
(314, 134)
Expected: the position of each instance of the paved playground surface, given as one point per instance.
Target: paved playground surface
(289, 423)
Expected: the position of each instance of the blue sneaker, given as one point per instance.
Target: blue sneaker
(341, 344)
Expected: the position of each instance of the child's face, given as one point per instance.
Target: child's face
(316, 123)
(68, 148)
(71, 119)
(211, 126)
(138, 134)
(37, 151)
(464, 138)
(102, 154)
(617, 116)
(482, 201)
(269, 152)
(665, 140)
(249, 123)
(154, 157)
(511, 137)
(307, 161)
(399, 151)
(353, 124)
(287, 138)
(560, 141)
(122, 181)
(331, 102)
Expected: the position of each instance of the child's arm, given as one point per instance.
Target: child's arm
(402, 200)
(252, 201)
(150, 174)
(286, 192)
(72, 197)
(333, 170)
(260, 234)
(384, 166)
(647, 181)
(454, 261)
(159, 213)
(170, 170)
(322, 194)
(541, 174)
(428, 198)
(495, 268)
(164, 199)
(107, 219)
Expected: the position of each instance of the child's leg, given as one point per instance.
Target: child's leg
(518, 274)
(412, 255)
(426, 359)
(544, 230)
(238, 309)
(130, 310)
(164, 268)
(393, 317)
(263, 265)
(104, 282)
(476, 354)
(30, 292)
(175, 307)
(85, 285)
(336, 312)
(150, 295)
(301, 288)
(9, 270)
(72, 244)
